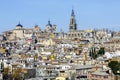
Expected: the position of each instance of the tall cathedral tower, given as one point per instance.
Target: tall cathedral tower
(72, 25)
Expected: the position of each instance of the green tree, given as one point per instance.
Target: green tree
(2, 67)
(101, 51)
(90, 53)
(115, 67)
(93, 53)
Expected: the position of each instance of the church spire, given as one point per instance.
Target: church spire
(48, 21)
(73, 24)
(72, 14)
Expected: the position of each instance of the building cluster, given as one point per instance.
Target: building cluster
(34, 54)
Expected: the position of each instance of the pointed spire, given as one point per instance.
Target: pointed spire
(72, 14)
(48, 21)
(19, 24)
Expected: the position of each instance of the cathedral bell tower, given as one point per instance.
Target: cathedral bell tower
(72, 25)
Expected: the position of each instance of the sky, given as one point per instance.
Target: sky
(90, 14)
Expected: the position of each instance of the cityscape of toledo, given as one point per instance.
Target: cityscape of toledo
(55, 54)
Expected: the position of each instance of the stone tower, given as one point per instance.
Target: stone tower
(72, 25)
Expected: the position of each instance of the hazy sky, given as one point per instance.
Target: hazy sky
(89, 13)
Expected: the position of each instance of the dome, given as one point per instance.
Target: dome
(49, 24)
(19, 25)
